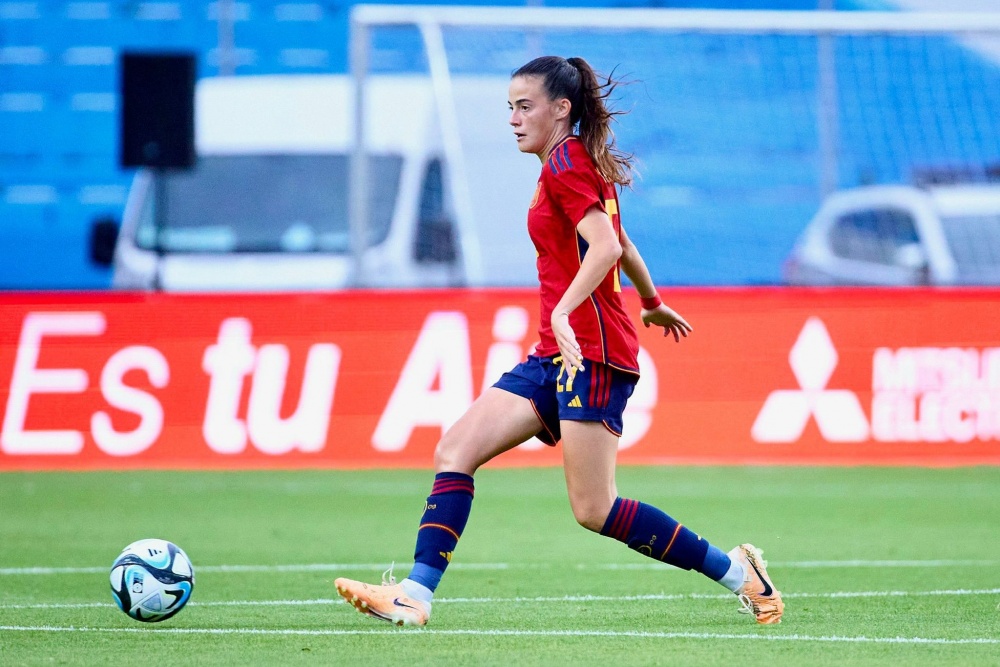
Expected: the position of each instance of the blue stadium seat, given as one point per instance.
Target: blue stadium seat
(718, 131)
(87, 133)
(52, 249)
(305, 37)
(25, 133)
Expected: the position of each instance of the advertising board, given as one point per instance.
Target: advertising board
(370, 378)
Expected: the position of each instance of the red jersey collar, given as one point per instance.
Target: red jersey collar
(560, 143)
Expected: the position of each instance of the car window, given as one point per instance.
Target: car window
(974, 241)
(435, 237)
(268, 203)
(882, 236)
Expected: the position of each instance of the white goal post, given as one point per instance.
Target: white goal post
(432, 21)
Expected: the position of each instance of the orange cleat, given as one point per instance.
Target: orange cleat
(387, 602)
(758, 594)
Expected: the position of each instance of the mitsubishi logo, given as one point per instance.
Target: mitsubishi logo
(786, 411)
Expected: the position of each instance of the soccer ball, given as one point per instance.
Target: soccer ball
(151, 580)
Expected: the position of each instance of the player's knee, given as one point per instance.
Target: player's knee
(444, 457)
(590, 514)
(449, 456)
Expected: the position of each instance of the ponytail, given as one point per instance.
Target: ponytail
(575, 80)
(595, 119)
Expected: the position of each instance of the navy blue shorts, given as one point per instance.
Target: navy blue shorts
(598, 393)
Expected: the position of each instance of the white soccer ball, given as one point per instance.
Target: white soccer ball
(151, 580)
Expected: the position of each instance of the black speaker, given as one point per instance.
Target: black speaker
(157, 110)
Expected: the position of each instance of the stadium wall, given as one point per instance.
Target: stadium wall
(365, 379)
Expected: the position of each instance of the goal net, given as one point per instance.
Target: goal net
(742, 121)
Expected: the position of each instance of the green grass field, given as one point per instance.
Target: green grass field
(877, 566)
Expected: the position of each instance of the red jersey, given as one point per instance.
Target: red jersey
(568, 187)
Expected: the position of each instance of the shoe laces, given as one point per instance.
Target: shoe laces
(747, 605)
(758, 555)
(387, 578)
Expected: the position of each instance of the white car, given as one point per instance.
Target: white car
(265, 207)
(901, 235)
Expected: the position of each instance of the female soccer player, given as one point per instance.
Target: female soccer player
(575, 385)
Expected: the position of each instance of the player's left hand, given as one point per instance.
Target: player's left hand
(664, 316)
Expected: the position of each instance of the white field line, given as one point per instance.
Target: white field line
(820, 564)
(509, 633)
(379, 567)
(809, 564)
(305, 567)
(537, 600)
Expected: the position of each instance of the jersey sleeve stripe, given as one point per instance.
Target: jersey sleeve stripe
(560, 160)
(565, 152)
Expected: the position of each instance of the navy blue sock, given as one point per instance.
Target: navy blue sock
(649, 531)
(445, 515)
(716, 563)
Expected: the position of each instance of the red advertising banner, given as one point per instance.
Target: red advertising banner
(370, 379)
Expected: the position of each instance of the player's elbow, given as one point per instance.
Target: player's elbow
(614, 254)
(611, 251)
(603, 254)
(627, 245)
